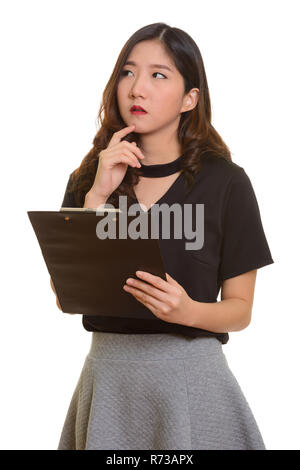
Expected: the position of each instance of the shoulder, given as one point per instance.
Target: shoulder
(222, 170)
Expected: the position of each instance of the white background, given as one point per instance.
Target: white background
(56, 58)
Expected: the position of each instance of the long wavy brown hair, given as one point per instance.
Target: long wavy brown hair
(196, 134)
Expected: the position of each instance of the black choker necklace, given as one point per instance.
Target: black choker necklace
(161, 169)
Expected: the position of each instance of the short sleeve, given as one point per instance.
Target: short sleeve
(68, 200)
(244, 244)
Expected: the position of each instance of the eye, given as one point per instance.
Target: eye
(124, 73)
(160, 74)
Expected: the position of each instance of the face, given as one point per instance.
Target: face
(158, 90)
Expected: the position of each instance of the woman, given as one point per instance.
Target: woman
(165, 383)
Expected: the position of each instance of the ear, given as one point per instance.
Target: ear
(191, 100)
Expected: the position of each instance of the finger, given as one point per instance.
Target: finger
(117, 136)
(146, 299)
(148, 289)
(126, 157)
(156, 281)
(129, 154)
(133, 148)
(171, 280)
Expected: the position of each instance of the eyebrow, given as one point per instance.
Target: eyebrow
(158, 66)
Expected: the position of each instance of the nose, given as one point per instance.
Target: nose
(138, 87)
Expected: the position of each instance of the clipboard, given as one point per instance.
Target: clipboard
(89, 273)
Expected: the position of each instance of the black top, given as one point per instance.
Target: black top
(234, 243)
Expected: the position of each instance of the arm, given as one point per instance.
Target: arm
(233, 312)
(91, 201)
(53, 288)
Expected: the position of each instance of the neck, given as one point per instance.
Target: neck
(160, 148)
(161, 158)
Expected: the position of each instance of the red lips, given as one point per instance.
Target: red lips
(137, 108)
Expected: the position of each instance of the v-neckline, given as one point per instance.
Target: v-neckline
(165, 195)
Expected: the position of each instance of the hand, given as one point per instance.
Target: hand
(113, 163)
(167, 300)
(53, 288)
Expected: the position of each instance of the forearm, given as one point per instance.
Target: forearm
(220, 317)
(92, 201)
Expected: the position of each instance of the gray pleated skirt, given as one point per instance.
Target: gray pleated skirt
(158, 392)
